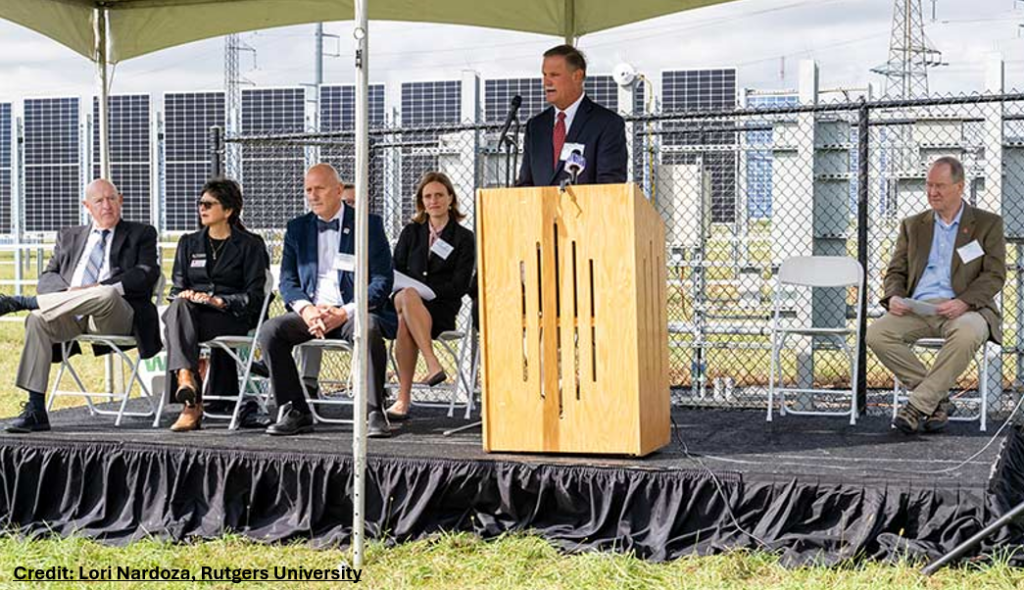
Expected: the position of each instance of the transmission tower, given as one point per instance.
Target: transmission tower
(910, 54)
(233, 82)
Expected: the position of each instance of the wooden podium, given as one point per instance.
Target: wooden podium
(573, 324)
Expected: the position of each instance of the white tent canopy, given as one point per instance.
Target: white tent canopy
(138, 27)
(110, 31)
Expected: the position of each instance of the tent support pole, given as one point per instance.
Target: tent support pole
(362, 206)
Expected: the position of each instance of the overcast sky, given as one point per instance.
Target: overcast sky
(846, 37)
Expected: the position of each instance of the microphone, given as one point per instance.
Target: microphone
(512, 111)
(575, 164)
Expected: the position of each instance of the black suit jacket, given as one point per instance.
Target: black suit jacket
(601, 131)
(133, 263)
(448, 278)
(238, 276)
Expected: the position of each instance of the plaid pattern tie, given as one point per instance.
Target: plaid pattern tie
(95, 263)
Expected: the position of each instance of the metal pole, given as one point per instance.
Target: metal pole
(969, 544)
(863, 169)
(104, 97)
(361, 34)
(216, 151)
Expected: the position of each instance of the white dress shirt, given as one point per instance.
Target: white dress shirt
(95, 235)
(328, 292)
(570, 114)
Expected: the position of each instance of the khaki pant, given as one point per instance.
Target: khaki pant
(890, 338)
(61, 317)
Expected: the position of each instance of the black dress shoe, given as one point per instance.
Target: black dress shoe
(377, 426)
(249, 416)
(396, 417)
(30, 420)
(436, 379)
(292, 421)
(11, 304)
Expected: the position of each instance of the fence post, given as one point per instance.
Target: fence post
(216, 151)
(863, 169)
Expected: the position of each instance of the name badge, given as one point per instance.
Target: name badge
(568, 149)
(344, 262)
(970, 251)
(198, 261)
(442, 249)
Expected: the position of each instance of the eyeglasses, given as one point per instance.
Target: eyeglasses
(206, 204)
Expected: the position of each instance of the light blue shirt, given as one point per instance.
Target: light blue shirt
(935, 281)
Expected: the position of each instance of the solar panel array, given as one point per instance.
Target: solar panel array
(52, 157)
(424, 104)
(694, 90)
(759, 161)
(338, 114)
(129, 147)
(188, 117)
(272, 178)
(6, 153)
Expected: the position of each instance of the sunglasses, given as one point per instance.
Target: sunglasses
(206, 204)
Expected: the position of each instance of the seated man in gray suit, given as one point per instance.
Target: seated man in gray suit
(100, 280)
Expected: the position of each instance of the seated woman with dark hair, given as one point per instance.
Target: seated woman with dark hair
(435, 250)
(219, 278)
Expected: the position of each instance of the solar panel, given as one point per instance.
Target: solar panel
(498, 95)
(188, 117)
(129, 147)
(759, 161)
(52, 159)
(338, 113)
(272, 177)
(6, 136)
(424, 104)
(692, 90)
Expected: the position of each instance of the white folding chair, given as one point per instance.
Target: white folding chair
(465, 377)
(811, 272)
(117, 344)
(242, 349)
(322, 346)
(980, 401)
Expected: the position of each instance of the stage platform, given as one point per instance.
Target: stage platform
(813, 489)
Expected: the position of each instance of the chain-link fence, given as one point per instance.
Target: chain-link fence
(740, 191)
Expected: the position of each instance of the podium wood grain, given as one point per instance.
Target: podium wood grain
(574, 337)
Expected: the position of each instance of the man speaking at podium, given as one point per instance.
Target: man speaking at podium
(574, 125)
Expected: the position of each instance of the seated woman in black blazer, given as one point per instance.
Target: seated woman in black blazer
(435, 250)
(219, 278)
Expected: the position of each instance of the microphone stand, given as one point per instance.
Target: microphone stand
(511, 144)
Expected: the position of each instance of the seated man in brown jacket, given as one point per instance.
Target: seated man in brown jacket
(953, 257)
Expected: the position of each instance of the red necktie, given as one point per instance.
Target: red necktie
(558, 137)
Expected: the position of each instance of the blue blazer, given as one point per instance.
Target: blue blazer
(300, 261)
(601, 131)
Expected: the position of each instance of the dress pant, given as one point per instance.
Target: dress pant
(186, 324)
(890, 338)
(63, 316)
(279, 336)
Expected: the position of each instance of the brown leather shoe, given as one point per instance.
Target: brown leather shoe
(191, 418)
(908, 419)
(188, 389)
(939, 418)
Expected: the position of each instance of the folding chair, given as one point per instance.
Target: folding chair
(242, 349)
(117, 344)
(980, 401)
(465, 379)
(811, 272)
(325, 399)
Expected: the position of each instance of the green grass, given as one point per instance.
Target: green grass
(464, 561)
(448, 560)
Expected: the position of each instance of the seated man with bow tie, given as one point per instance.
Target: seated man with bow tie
(317, 275)
(100, 280)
